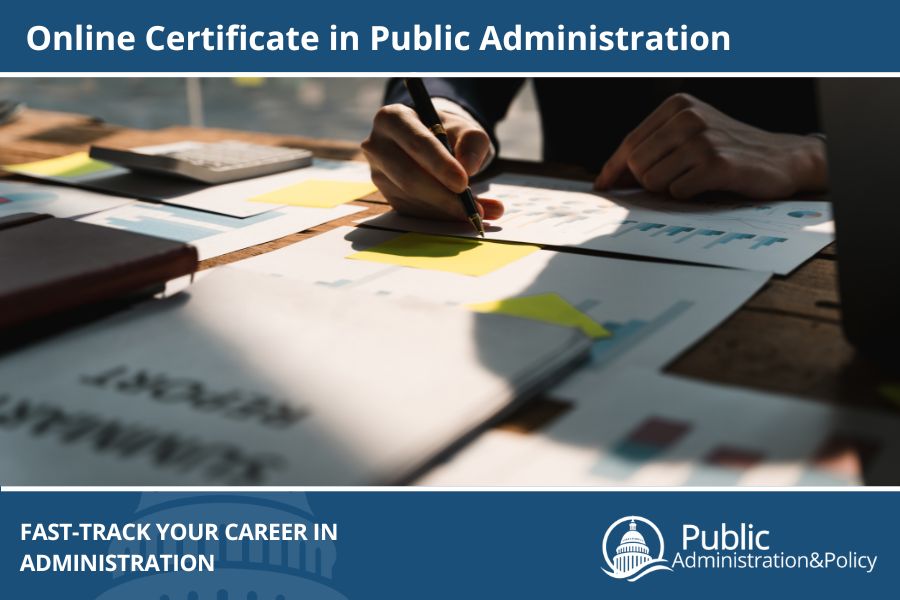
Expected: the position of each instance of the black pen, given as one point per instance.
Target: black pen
(428, 115)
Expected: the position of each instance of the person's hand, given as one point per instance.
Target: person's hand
(416, 174)
(687, 147)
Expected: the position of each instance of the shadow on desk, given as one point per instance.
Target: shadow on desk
(849, 446)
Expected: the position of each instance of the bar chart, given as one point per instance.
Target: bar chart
(767, 237)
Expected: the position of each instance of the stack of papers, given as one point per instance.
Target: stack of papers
(247, 380)
(216, 219)
(323, 185)
(321, 357)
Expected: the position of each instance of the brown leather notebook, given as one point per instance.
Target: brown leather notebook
(50, 266)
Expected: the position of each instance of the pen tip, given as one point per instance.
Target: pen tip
(478, 224)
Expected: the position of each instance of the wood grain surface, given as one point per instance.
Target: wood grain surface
(786, 339)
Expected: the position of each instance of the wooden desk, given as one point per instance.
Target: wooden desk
(785, 339)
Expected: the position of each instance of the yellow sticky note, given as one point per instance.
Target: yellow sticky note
(548, 308)
(318, 193)
(70, 165)
(249, 82)
(437, 253)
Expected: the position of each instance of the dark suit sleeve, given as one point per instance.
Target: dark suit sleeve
(487, 99)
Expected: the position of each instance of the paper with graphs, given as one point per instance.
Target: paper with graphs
(642, 428)
(644, 311)
(771, 236)
(213, 234)
(238, 199)
(58, 201)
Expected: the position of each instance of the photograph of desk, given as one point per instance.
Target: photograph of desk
(787, 339)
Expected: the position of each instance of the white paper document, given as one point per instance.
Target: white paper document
(772, 236)
(643, 428)
(247, 379)
(232, 199)
(58, 201)
(651, 311)
(213, 234)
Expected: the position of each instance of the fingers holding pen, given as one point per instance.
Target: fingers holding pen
(416, 174)
(413, 191)
(402, 125)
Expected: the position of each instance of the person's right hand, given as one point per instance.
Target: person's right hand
(416, 174)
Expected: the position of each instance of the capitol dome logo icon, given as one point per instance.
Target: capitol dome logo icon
(632, 557)
(245, 570)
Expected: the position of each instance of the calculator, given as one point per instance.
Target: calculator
(211, 163)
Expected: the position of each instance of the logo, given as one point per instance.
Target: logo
(632, 557)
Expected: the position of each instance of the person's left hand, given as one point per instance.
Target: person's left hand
(687, 147)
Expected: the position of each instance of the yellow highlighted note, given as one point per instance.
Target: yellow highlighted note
(318, 193)
(249, 82)
(70, 165)
(437, 253)
(548, 308)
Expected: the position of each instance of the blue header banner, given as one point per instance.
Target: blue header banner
(447, 544)
(461, 36)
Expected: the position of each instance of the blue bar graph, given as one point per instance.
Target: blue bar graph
(729, 237)
(672, 230)
(765, 241)
(621, 336)
(628, 334)
(177, 223)
(637, 226)
(701, 232)
(805, 214)
(682, 233)
(171, 230)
